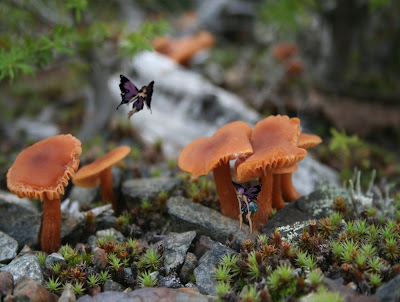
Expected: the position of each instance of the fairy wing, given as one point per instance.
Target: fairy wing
(238, 188)
(128, 90)
(149, 94)
(252, 192)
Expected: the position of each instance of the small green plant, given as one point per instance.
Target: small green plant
(42, 258)
(56, 267)
(222, 288)
(152, 259)
(53, 285)
(315, 278)
(104, 276)
(78, 288)
(145, 204)
(223, 274)
(230, 261)
(251, 294)
(147, 279)
(93, 280)
(281, 282)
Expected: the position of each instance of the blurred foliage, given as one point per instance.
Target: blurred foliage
(34, 33)
(345, 152)
(290, 14)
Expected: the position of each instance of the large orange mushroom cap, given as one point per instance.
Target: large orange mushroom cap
(207, 154)
(88, 176)
(204, 154)
(43, 169)
(274, 141)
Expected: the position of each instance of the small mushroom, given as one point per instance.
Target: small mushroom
(41, 171)
(99, 173)
(305, 141)
(206, 154)
(274, 141)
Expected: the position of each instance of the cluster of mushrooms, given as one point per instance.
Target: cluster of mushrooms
(43, 170)
(268, 153)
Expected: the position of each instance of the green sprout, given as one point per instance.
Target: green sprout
(53, 286)
(375, 264)
(251, 294)
(152, 259)
(391, 248)
(230, 260)
(375, 280)
(263, 238)
(104, 276)
(42, 258)
(56, 267)
(114, 261)
(323, 294)
(78, 288)
(93, 280)
(315, 277)
(147, 279)
(223, 274)
(281, 282)
(222, 288)
(123, 220)
(145, 204)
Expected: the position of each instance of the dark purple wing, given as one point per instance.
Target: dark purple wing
(252, 192)
(138, 104)
(149, 94)
(238, 188)
(128, 90)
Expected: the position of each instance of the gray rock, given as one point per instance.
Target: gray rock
(68, 294)
(111, 285)
(53, 259)
(170, 281)
(84, 195)
(19, 219)
(149, 294)
(176, 245)
(299, 213)
(188, 267)
(187, 215)
(136, 190)
(8, 247)
(311, 174)
(27, 266)
(389, 291)
(71, 228)
(106, 222)
(204, 271)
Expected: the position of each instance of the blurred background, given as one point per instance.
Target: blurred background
(335, 64)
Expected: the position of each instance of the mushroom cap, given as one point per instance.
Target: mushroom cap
(88, 175)
(204, 154)
(44, 168)
(274, 140)
(307, 140)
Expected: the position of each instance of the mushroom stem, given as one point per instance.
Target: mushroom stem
(288, 190)
(262, 215)
(106, 186)
(50, 239)
(277, 200)
(226, 191)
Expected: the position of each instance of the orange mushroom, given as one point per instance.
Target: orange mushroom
(99, 172)
(207, 154)
(274, 141)
(305, 141)
(183, 49)
(283, 51)
(41, 171)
